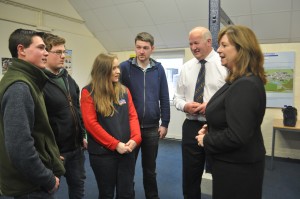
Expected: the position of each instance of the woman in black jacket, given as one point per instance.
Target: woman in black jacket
(232, 137)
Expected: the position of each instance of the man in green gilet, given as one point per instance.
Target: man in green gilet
(30, 164)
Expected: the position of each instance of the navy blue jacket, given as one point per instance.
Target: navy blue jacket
(149, 91)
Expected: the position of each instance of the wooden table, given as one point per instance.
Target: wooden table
(278, 126)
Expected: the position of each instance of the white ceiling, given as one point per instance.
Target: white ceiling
(115, 23)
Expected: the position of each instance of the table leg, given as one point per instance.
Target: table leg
(273, 146)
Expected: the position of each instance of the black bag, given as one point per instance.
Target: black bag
(289, 116)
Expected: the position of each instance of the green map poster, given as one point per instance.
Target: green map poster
(279, 69)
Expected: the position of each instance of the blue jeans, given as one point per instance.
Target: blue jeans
(114, 173)
(75, 173)
(37, 195)
(149, 150)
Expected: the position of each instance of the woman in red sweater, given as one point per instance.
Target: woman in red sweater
(113, 129)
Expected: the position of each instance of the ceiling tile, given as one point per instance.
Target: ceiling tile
(268, 6)
(118, 2)
(189, 25)
(123, 37)
(116, 22)
(110, 17)
(294, 40)
(173, 34)
(272, 41)
(296, 5)
(138, 16)
(94, 4)
(266, 27)
(107, 41)
(79, 5)
(295, 28)
(163, 11)
(243, 20)
(158, 42)
(90, 20)
(244, 7)
(193, 9)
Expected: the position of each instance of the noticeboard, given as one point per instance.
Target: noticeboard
(279, 69)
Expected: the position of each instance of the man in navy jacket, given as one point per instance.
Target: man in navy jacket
(147, 82)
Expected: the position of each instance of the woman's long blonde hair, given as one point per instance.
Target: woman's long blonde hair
(105, 93)
(250, 59)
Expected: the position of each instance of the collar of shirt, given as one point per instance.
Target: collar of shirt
(150, 65)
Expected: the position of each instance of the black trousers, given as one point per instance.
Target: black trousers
(193, 160)
(114, 173)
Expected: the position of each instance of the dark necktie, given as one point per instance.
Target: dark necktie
(199, 89)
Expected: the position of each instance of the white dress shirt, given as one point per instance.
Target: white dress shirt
(215, 75)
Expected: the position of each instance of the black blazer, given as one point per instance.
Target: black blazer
(234, 115)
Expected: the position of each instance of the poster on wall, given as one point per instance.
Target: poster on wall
(279, 69)
(6, 62)
(68, 61)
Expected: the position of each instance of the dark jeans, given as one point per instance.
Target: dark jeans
(193, 160)
(114, 172)
(149, 149)
(75, 173)
(37, 195)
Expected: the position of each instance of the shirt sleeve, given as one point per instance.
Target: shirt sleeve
(18, 120)
(92, 125)
(179, 99)
(135, 131)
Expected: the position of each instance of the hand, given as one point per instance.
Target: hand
(201, 109)
(203, 130)
(55, 188)
(131, 144)
(162, 132)
(192, 108)
(61, 158)
(122, 148)
(85, 143)
(200, 138)
(201, 133)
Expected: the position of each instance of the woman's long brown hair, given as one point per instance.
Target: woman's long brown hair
(250, 59)
(105, 92)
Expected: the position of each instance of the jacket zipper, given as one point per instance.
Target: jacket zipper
(69, 98)
(142, 125)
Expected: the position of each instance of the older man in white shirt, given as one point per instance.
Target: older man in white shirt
(193, 156)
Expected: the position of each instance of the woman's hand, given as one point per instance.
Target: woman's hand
(201, 133)
(123, 148)
(131, 144)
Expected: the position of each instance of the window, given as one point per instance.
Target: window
(171, 61)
